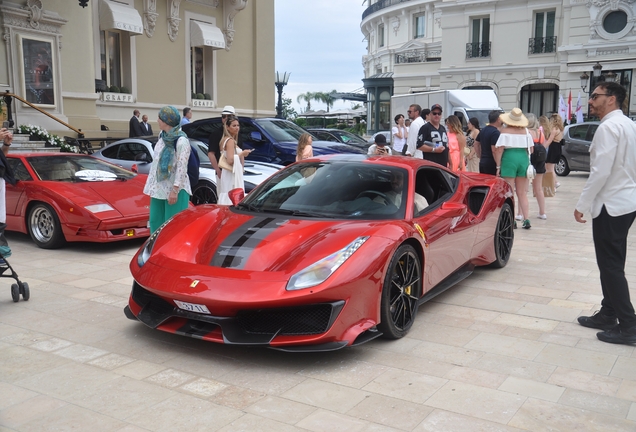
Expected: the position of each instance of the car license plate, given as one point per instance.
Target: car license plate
(191, 307)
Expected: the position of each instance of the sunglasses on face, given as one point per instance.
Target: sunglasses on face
(595, 96)
(436, 113)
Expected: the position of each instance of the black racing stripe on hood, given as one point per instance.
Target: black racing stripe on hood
(238, 246)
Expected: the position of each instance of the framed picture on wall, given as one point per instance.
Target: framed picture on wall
(38, 70)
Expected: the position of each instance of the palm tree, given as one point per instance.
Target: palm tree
(307, 97)
(327, 98)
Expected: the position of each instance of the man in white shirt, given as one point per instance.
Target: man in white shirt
(416, 123)
(610, 198)
(187, 115)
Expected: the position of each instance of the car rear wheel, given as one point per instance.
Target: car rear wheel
(45, 228)
(401, 293)
(504, 237)
(204, 193)
(562, 168)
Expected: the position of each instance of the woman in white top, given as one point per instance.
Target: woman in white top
(512, 155)
(400, 134)
(168, 184)
(235, 157)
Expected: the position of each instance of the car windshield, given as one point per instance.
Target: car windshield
(481, 115)
(343, 190)
(281, 130)
(348, 137)
(76, 168)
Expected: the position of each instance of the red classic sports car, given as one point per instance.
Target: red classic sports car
(64, 197)
(328, 252)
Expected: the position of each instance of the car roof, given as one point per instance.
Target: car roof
(401, 161)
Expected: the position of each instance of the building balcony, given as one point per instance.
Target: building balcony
(418, 56)
(379, 5)
(478, 49)
(542, 45)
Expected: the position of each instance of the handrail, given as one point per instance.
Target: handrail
(10, 95)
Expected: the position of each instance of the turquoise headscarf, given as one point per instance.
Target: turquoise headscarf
(170, 116)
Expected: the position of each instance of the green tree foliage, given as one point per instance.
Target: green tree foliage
(307, 97)
(289, 112)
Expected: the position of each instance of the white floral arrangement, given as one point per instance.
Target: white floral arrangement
(50, 139)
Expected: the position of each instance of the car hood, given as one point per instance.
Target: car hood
(217, 237)
(126, 197)
(325, 147)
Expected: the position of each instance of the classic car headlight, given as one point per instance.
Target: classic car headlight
(319, 272)
(146, 249)
(97, 208)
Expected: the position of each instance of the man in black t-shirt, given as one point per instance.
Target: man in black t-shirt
(485, 144)
(434, 133)
(214, 142)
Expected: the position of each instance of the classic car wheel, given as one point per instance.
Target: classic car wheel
(401, 292)
(44, 227)
(504, 237)
(204, 193)
(562, 168)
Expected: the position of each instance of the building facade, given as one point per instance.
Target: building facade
(529, 52)
(92, 66)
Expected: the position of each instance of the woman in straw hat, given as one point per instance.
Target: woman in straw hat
(512, 156)
(168, 184)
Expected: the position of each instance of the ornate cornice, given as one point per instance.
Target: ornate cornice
(32, 17)
(613, 3)
(230, 9)
(150, 17)
(173, 19)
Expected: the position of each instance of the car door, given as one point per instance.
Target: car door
(449, 228)
(13, 193)
(251, 137)
(585, 159)
(577, 146)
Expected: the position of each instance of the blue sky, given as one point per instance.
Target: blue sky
(320, 43)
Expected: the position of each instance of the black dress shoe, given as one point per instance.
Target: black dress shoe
(618, 336)
(598, 321)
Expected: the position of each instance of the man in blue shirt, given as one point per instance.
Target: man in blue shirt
(187, 115)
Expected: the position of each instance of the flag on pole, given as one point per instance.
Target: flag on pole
(579, 110)
(569, 113)
(562, 108)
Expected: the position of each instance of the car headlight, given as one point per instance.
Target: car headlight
(146, 249)
(98, 208)
(317, 273)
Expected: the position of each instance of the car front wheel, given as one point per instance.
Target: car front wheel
(204, 193)
(44, 227)
(401, 293)
(562, 168)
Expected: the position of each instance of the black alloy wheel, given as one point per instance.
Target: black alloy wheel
(401, 293)
(504, 237)
(204, 193)
(562, 168)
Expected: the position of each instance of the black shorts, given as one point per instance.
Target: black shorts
(488, 166)
(554, 153)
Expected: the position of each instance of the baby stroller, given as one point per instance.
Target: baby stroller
(17, 289)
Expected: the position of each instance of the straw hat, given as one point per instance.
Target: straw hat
(514, 118)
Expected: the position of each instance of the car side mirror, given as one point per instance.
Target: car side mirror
(451, 210)
(134, 168)
(236, 195)
(256, 136)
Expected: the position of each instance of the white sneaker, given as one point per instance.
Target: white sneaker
(543, 216)
(519, 217)
(557, 185)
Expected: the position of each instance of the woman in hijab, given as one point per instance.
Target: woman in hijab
(168, 185)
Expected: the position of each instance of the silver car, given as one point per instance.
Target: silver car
(576, 150)
(136, 151)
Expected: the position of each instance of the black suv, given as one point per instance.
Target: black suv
(273, 140)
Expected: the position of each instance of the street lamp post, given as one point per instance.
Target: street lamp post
(281, 81)
(584, 79)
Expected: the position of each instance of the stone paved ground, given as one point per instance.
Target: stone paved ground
(499, 352)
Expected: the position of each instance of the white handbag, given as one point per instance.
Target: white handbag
(530, 172)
